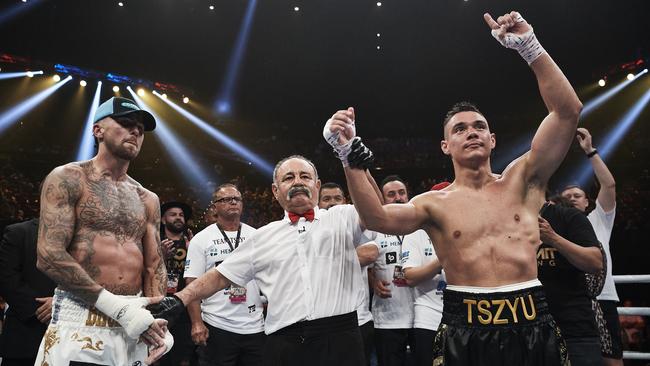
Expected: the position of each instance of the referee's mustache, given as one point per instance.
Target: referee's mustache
(298, 189)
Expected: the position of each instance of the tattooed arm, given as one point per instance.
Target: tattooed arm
(155, 273)
(61, 191)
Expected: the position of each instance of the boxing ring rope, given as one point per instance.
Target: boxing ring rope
(643, 311)
(632, 278)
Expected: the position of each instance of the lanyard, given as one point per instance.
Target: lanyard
(225, 237)
(400, 239)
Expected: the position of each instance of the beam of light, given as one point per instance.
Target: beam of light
(223, 103)
(593, 104)
(614, 137)
(17, 9)
(8, 117)
(87, 143)
(512, 151)
(181, 156)
(11, 75)
(236, 147)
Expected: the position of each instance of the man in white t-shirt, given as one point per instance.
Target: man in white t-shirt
(423, 271)
(229, 325)
(602, 219)
(392, 305)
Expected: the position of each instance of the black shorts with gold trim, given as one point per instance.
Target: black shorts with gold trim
(501, 328)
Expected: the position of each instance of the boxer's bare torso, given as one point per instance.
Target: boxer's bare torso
(110, 222)
(485, 236)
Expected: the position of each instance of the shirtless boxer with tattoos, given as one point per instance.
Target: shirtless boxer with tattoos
(484, 226)
(99, 241)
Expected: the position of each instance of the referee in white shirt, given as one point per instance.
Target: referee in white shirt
(228, 325)
(306, 266)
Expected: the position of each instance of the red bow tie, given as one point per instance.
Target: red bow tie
(294, 217)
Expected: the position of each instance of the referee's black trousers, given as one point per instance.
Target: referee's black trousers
(332, 341)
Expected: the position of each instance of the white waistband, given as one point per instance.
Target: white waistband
(504, 288)
(68, 308)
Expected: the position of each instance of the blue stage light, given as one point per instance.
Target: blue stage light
(8, 117)
(613, 138)
(222, 138)
(17, 9)
(598, 101)
(186, 163)
(224, 101)
(87, 141)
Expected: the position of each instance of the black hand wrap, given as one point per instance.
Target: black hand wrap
(360, 156)
(169, 308)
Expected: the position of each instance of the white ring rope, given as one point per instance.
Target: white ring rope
(634, 311)
(631, 355)
(632, 278)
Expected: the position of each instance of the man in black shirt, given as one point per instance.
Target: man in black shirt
(175, 238)
(569, 250)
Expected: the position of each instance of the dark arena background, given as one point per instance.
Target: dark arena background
(236, 85)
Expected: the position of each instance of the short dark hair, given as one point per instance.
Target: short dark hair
(570, 186)
(391, 178)
(329, 185)
(560, 201)
(463, 106)
(222, 186)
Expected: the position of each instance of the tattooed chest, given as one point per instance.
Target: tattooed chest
(108, 209)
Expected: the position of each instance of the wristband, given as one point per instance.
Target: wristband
(591, 154)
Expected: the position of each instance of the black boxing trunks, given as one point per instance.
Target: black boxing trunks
(508, 325)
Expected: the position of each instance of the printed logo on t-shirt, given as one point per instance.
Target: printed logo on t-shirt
(546, 257)
(405, 255)
(187, 264)
(442, 285)
(391, 257)
(428, 252)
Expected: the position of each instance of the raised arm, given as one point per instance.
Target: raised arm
(155, 273)
(607, 193)
(339, 132)
(61, 191)
(555, 134)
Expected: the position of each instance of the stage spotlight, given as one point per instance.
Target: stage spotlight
(598, 101)
(378, 47)
(630, 76)
(11, 75)
(30, 74)
(187, 164)
(295, 8)
(236, 58)
(87, 142)
(56, 78)
(120, 4)
(84, 83)
(8, 117)
(601, 82)
(211, 7)
(614, 137)
(378, 35)
(141, 92)
(186, 100)
(116, 88)
(227, 141)
(378, 3)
